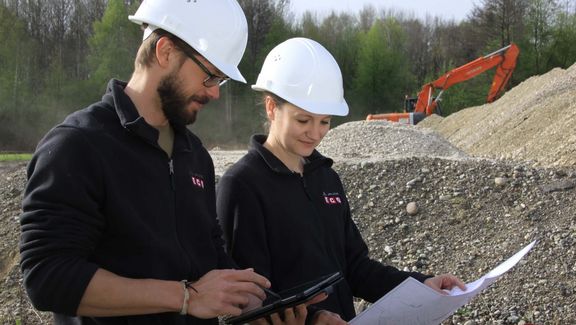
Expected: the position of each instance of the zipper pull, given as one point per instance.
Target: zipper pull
(171, 168)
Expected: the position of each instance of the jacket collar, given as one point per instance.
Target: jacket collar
(313, 161)
(129, 117)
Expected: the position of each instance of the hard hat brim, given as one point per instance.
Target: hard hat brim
(312, 106)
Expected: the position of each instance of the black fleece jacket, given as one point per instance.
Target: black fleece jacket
(103, 194)
(293, 228)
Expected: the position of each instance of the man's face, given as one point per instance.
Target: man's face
(182, 93)
(176, 103)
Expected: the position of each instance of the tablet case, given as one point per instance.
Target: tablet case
(289, 298)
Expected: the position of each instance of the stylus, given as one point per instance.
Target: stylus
(271, 293)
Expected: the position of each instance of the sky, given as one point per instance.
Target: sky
(445, 9)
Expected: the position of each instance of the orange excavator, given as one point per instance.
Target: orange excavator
(416, 109)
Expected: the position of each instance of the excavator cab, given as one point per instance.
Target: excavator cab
(409, 116)
(410, 105)
(427, 103)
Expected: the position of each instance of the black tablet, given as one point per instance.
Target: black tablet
(288, 298)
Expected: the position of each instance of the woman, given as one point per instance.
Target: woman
(283, 208)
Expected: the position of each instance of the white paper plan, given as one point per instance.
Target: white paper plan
(412, 302)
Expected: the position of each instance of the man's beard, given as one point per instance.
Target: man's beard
(174, 102)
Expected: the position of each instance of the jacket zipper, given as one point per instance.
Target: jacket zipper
(171, 168)
(305, 186)
(187, 260)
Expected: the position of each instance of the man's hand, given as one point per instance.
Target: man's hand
(225, 292)
(444, 281)
(253, 303)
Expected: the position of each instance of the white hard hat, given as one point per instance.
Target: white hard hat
(217, 29)
(304, 73)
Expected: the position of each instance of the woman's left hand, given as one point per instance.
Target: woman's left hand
(444, 281)
(292, 316)
(324, 317)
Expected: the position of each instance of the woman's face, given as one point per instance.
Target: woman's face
(297, 131)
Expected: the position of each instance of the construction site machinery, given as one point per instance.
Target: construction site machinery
(427, 103)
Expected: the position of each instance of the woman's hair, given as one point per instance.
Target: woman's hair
(279, 102)
(147, 51)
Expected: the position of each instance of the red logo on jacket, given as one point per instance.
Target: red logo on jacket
(332, 198)
(198, 182)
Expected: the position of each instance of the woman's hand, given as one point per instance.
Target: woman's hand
(292, 316)
(324, 317)
(444, 281)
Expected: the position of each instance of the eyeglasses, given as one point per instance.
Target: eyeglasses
(212, 79)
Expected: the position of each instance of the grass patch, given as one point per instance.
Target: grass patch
(15, 157)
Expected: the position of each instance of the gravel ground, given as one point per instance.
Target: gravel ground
(467, 224)
(486, 181)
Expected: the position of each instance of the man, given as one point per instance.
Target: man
(119, 213)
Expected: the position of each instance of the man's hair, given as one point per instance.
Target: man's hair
(147, 52)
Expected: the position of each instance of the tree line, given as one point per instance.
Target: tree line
(56, 57)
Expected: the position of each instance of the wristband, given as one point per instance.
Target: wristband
(184, 310)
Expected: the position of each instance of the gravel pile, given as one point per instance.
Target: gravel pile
(376, 140)
(534, 121)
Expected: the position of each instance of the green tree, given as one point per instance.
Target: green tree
(562, 52)
(79, 32)
(383, 76)
(261, 17)
(11, 31)
(113, 45)
(339, 33)
(541, 16)
(309, 26)
(16, 84)
(501, 21)
(367, 17)
(418, 48)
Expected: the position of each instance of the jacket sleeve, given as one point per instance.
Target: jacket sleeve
(369, 279)
(224, 260)
(61, 222)
(244, 226)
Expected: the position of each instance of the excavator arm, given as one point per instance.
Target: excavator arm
(427, 102)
